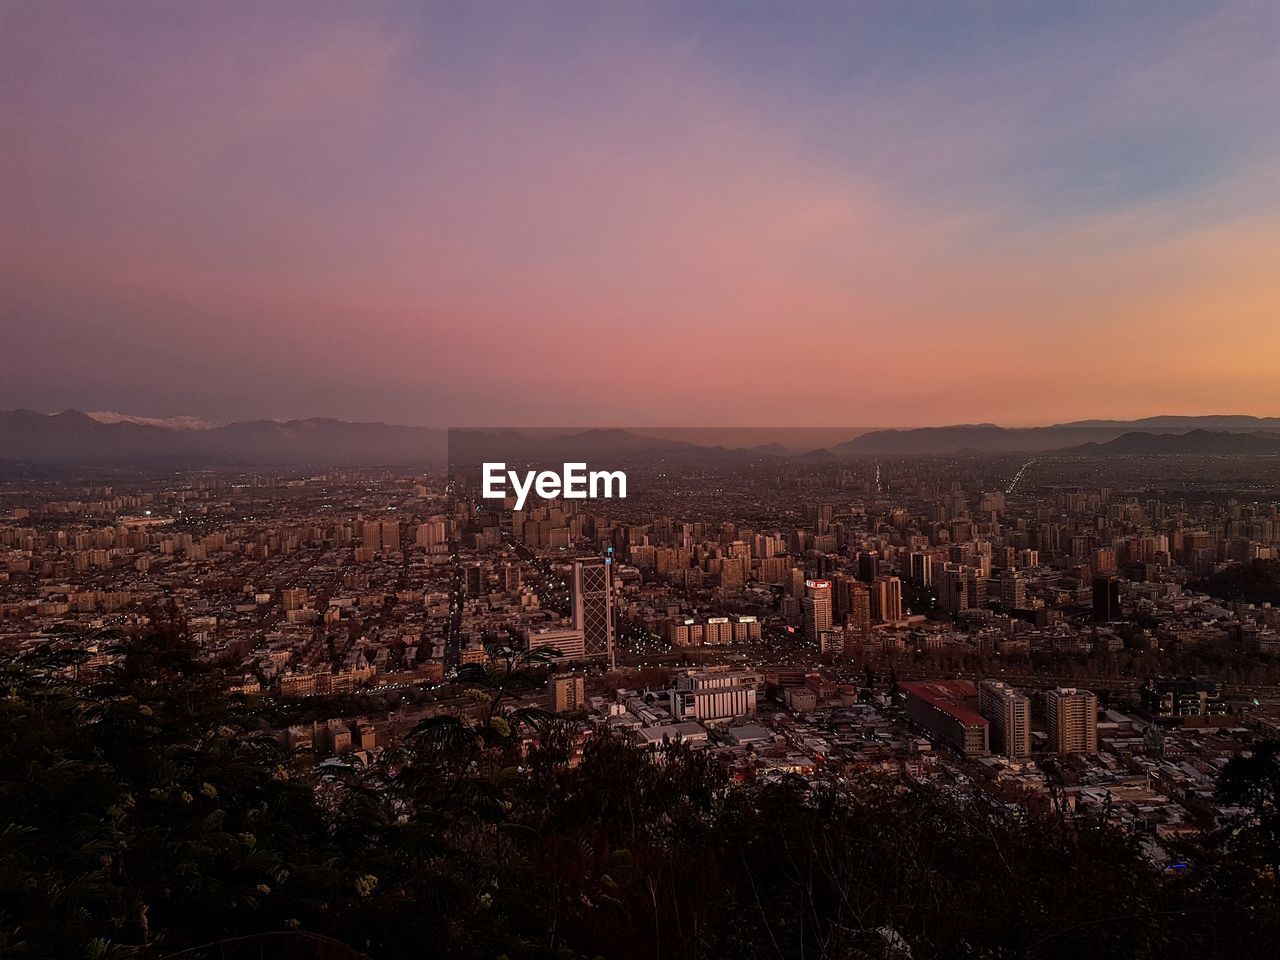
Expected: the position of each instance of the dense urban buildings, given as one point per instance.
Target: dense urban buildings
(935, 623)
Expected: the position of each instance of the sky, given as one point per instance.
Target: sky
(740, 213)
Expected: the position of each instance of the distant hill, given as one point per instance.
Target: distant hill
(173, 423)
(75, 438)
(990, 438)
(72, 438)
(1191, 443)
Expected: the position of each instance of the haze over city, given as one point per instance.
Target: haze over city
(743, 214)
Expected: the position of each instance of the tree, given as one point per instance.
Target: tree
(146, 815)
(1252, 781)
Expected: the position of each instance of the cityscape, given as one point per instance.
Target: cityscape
(1094, 638)
(639, 481)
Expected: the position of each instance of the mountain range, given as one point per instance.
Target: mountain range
(1202, 443)
(72, 437)
(990, 438)
(108, 439)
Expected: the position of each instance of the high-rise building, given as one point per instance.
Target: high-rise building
(816, 607)
(886, 599)
(953, 589)
(431, 533)
(567, 693)
(1072, 717)
(858, 621)
(1106, 598)
(868, 566)
(1013, 590)
(593, 606)
(919, 569)
(1009, 713)
(380, 536)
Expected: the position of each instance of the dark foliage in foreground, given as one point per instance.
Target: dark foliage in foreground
(140, 815)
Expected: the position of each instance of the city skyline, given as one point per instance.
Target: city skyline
(445, 214)
(659, 480)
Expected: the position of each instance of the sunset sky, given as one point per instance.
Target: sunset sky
(686, 213)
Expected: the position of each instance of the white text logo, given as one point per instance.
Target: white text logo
(573, 483)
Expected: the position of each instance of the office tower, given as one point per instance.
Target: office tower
(919, 569)
(1009, 713)
(953, 589)
(1106, 598)
(566, 643)
(886, 599)
(795, 583)
(868, 566)
(976, 588)
(858, 620)
(593, 606)
(1013, 590)
(1072, 717)
(714, 694)
(567, 693)
(816, 607)
(839, 597)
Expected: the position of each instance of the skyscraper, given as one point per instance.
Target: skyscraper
(817, 607)
(1072, 717)
(868, 565)
(858, 621)
(1009, 713)
(593, 606)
